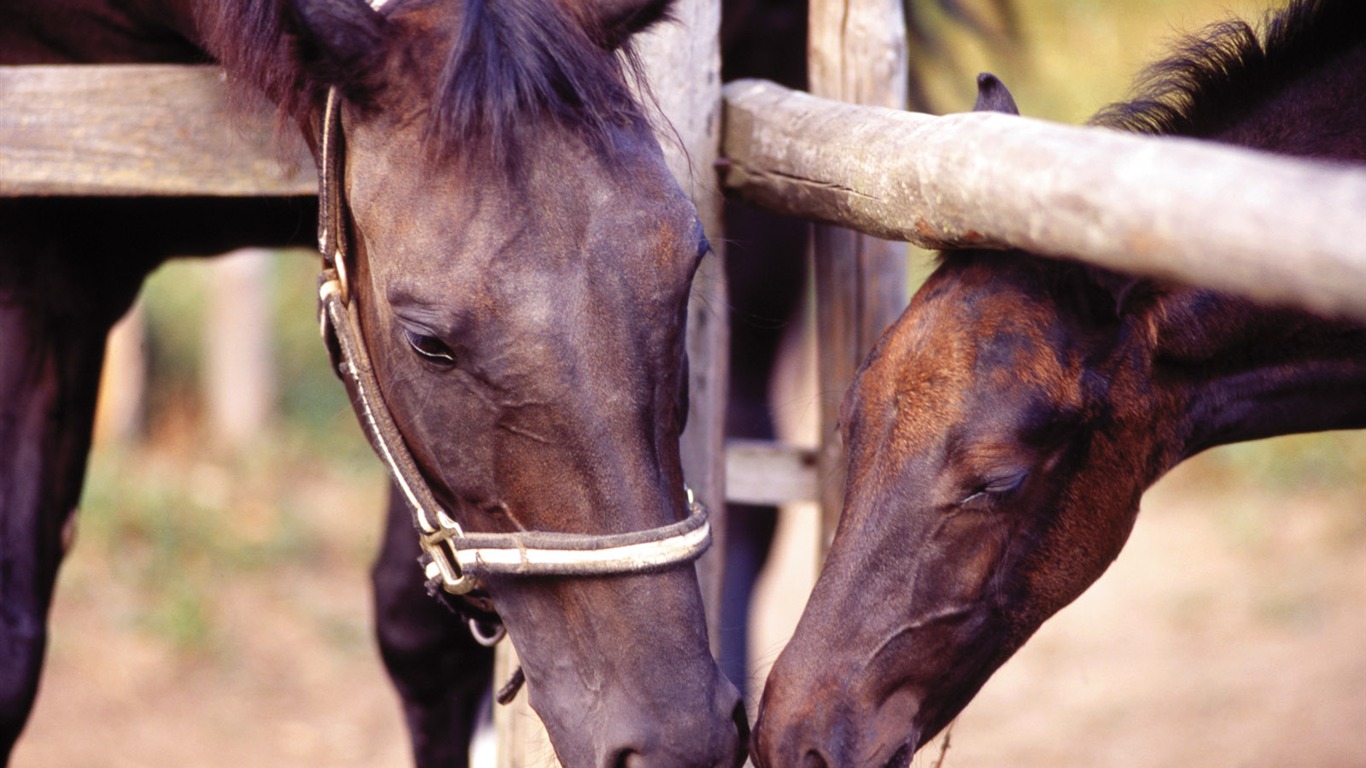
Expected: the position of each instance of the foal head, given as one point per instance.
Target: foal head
(1001, 434)
(995, 472)
(523, 259)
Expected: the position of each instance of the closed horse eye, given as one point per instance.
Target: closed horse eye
(993, 489)
(431, 349)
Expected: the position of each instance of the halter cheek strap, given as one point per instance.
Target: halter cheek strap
(451, 557)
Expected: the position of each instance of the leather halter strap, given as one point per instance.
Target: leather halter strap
(451, 556)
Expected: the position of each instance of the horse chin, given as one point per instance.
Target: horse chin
(585, 685)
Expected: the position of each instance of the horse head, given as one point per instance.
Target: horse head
(520, 260)
(1001, 435)
(999, 438)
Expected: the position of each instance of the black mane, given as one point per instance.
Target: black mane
(512, 63)
(1213, 77)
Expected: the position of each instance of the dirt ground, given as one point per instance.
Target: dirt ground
(1231, 632)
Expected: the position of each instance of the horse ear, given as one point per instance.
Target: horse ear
(992, 96)
(340, 39)
(612, 22)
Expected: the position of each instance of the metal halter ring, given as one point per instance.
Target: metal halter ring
(343, 279)
(487, 634)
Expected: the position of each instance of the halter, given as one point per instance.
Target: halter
(452, 558)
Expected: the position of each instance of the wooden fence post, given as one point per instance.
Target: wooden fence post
(123, 380)
(239, 366)
(856, 52)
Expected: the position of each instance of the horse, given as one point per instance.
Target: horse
(508, 264)
(765, 280)
(1002, 431)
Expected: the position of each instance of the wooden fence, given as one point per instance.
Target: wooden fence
(1171, 208)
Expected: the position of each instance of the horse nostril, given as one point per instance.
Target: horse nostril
(814, 759)
(901, 758)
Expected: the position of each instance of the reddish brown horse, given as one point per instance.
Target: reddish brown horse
(520, 259)
(1001, 434)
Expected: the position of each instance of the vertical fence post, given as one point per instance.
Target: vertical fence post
(239, 365)
(683, 64)
(856, 52)
(123, 381)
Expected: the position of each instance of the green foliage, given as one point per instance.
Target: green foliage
(178, 516)
(1072, 56)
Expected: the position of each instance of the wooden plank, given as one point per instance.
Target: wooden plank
(856, 53)
(1273, 228)
(768, 474)
(140, 130)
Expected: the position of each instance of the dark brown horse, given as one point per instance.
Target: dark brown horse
(1001, 434)
(520, 260)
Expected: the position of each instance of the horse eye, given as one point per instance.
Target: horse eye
(1006, 484)
(993, 489)
(431, 348)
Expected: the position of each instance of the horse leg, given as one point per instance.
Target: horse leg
(440, 672)
(54, 317)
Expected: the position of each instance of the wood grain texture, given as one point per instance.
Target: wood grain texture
(140, 130)
(1275, 229)
(767, 473)
(857, 53)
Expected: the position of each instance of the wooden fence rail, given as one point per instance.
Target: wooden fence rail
(140, 129)
(1272, 228)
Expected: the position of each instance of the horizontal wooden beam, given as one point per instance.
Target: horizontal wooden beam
(766, 473)
(140, 130)
(1273, 228)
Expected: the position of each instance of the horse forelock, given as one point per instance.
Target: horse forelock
(510, 64)
(1212, 78)
(517, 62)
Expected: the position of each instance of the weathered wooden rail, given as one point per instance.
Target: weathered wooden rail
(140, 130)
(1269, 227)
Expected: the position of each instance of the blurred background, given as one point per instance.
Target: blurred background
(215, 609)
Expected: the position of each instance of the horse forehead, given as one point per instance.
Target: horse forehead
(958, 353)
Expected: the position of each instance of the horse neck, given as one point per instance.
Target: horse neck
(1317, 115)
(1237, 371)
(1233, 371)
